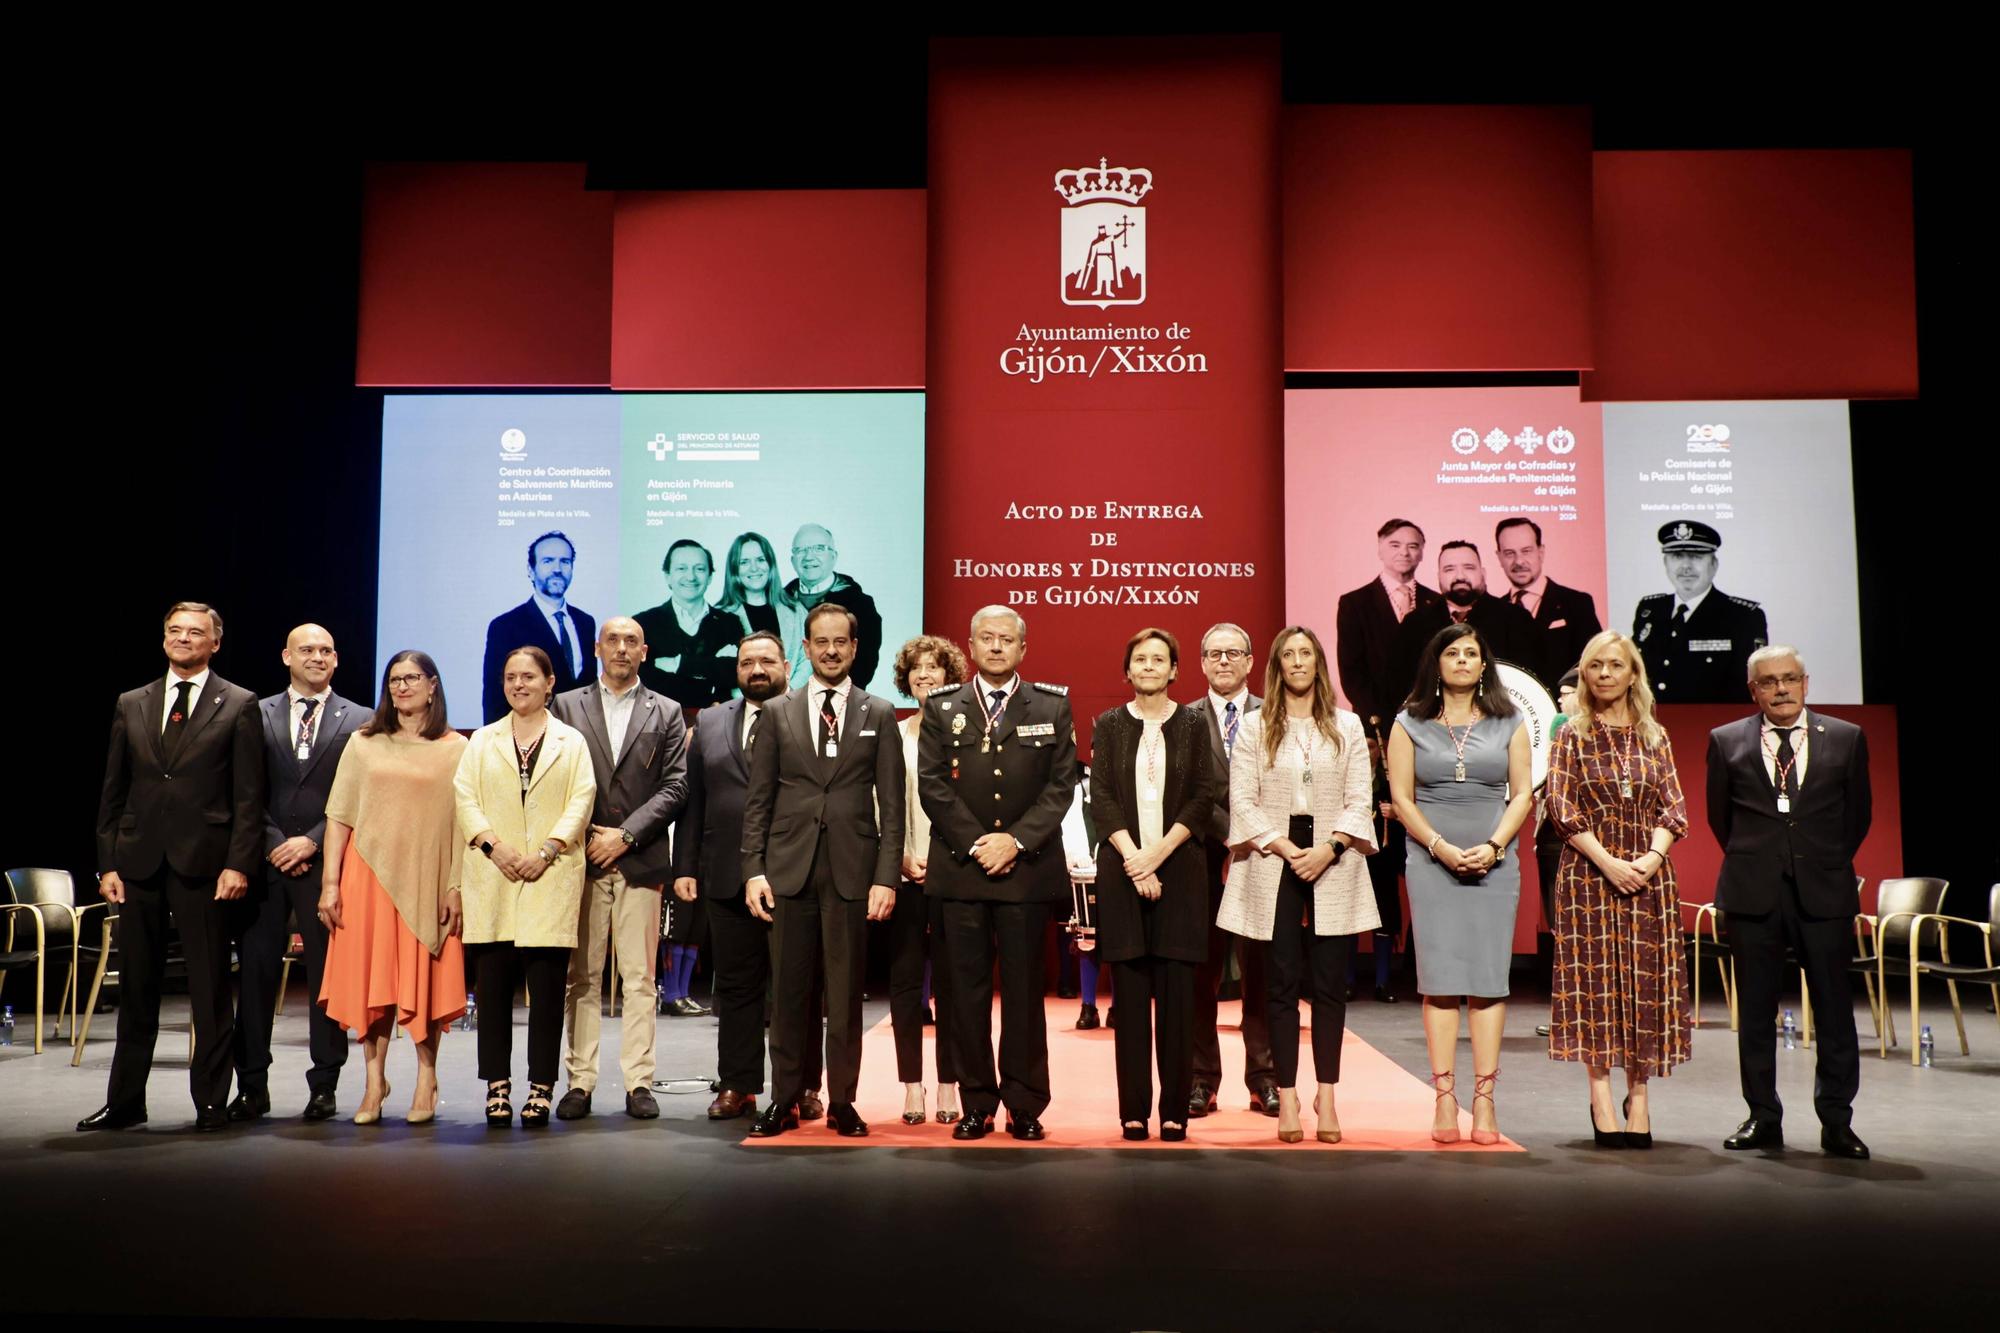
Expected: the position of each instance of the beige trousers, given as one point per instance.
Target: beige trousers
(629, 916)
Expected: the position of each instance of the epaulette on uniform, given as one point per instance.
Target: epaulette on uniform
(1744, 602)
(936, 690)
(1047, 688)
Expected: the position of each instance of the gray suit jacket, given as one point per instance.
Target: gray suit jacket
(294, 792)
(797, 797)
(1217, 829)
(645, 787)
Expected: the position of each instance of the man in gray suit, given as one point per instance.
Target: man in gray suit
(638, 751)
(822, 848)
(305, 727)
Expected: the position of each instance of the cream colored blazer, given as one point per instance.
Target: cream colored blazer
(1260, 803)
(560, 796)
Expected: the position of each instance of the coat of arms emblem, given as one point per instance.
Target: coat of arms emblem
(1103, 234)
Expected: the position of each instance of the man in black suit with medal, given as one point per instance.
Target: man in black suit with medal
(306, 726)
(546, 621)
(996, 770)
(708, 863)
(180, 830)
(1565, 619)
(1226, 661)
(1789, 800)
(1696, 639)
(822, 852)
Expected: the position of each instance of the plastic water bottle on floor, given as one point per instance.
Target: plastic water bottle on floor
(1924, 1047)
(7, 1027)
(470, 1021)
(1791, 1031)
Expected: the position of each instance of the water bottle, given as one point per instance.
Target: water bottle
(470, 1021)
(7, 1026)
(1924, 1047)
(1791, 1031)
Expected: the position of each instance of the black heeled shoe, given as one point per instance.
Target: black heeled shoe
(499, 1103)
(535, 1110)
(1604, 1138)
(1633, 1138)
(1133, 1133)
(1172, 1133)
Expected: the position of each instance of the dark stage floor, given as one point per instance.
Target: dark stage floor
(614, 1221)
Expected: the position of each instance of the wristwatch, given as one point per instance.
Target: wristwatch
(485, 848)
(626, 834)
(1337, 847)
(1499, 852)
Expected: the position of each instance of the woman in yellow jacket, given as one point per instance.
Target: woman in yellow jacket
(525, 790)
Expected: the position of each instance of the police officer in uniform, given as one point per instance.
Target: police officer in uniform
(1697, 639)
(996, 770)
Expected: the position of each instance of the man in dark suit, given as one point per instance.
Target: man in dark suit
(305, 728)
(997, 769)
(1504, 629)
(1565, 619)
(1697, 639)
(1366, 623)
(638, 753)
(179, 826)
(546, 621)
(1226, 661)
(813, 559)
(708, 864)
(1789, 800)
(822, 853)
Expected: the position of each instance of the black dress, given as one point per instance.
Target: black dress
(1176, 924)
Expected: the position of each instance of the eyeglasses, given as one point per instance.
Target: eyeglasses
(405, 682)
(1223, 654)
(1790, 680)
(819, 549)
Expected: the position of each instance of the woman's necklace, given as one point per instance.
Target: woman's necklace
(1458, 742)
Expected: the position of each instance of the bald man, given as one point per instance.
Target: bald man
(813, 558)
(306, 726)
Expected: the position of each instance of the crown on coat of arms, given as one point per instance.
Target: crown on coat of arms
(1103, 182)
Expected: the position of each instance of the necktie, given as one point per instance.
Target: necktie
(999, 698)
(829, 725)
(750, 736)
(1680, 616)
(1781, 770)
(1405, 600)
(562, 637)
(1229, 721)
(306, 726)
(177, 719)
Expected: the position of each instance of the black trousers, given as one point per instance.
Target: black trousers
(1155, 1011)
(973, 931)
(495, 969)
(740, 951)
(1316, 963)
(817, 934)
(263, 923)
(1258, 1071)
(911, 929)
(142, 956)
(1822, 946)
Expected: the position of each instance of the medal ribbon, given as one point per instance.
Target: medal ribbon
(992, 714)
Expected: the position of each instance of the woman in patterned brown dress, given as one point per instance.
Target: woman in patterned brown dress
(1615, 798)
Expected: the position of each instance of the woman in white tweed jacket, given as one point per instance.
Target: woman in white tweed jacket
(1299, 800)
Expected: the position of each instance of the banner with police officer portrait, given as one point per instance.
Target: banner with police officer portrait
(1730, 525)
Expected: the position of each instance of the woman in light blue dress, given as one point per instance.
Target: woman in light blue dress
(1460, 778)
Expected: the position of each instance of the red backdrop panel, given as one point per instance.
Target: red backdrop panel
(1198, 428)
(1754, 275)
(768, 289)
(484, 273)
(1427, 238)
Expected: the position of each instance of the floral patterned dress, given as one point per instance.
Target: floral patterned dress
(1621, 991)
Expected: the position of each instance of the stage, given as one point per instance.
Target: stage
(680, 1221)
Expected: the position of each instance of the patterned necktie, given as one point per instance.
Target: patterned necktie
(306, 725)
(1406, 600)
(1781, 769)
(829, 723)
(1229, 721)
(177, 719)
(562, 637)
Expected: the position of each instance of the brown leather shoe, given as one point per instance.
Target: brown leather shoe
(811, 1107)
(729, 1104)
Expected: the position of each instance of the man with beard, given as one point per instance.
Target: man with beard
(546, 621)
(1504, 629)
(1565, 619)
(708, 863)
(813, 559)
(1697, 639)
(822, 850)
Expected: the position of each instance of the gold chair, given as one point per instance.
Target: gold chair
(11, 957)
(1720, 952)
(1894, 930)
(1953, 973)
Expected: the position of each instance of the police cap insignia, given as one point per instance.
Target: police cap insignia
(1688, 535)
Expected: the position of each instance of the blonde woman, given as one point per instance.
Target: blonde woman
(525, 791)
(1302, 816)
(1614, 796)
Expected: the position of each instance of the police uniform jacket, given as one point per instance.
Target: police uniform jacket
(1705, 661)
(1021, 786)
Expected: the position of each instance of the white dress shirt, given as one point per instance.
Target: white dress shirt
(200, 682)
(1691, 606)
(1769, 736)
(815, 696)
(297, 704)
(617, 714)
(751, 708)
(566, 633)
(1529, 599)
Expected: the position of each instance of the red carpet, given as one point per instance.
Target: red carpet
(1382, 1108)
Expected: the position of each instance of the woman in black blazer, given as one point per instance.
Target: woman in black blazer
(1151, 785)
